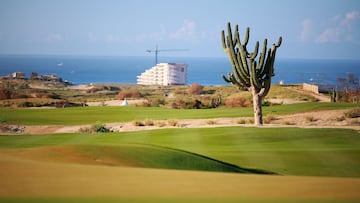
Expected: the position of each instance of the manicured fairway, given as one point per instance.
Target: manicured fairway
(286, 151)
(183, 165)
(90, 115)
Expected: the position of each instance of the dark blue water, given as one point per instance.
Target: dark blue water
(206, 71)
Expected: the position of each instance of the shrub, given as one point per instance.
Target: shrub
(101, 128)
(155, 102)
(96, 128)
(148, 122)
(310, 119)
(353, 113)
(86, 130)
(285, 122)
(179, 91)
(19, 96)
(241, 121)
(195, 89)
(172, 123)
(269, 118)
(250, 121)
(160, 124)
(4, 94)
(211, 122)
(138, 123)
(238, 102)
(339, 119)
(128, 94)
(181, 104)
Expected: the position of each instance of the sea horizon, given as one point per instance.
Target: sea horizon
(84, 69)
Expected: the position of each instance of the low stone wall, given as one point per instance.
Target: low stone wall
(311, 88)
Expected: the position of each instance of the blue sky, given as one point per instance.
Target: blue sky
(310, 28)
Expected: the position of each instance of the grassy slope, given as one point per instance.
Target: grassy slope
(130, 155)
(90, 115)
(317, 152)
(293, 151)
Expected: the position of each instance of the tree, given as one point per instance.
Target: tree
(249, 74)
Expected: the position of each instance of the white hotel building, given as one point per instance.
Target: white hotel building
(164, 74)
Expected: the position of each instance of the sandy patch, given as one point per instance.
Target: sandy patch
(318, 119)
(116, 102)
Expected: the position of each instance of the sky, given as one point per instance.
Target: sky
(325, 29)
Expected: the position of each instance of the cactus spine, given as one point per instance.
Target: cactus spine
(249, 74)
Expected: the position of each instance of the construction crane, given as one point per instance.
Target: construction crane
(161, 50)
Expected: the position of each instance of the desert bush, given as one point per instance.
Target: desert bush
(211, 122)
(238, 102)
(172, 123)
(4, 94)
(353, 113)
(148, 122)
(355, 122)
(86, 130)
(310, 119)
(12, 128)
(160, 124)
(156, 102)
(250, 121)
(213, 101)
(128, 94)
(138, 123)
(195, 89)
(285, 122)
(339, 119)
(19, 96)
(241, 121)
(101, 128)
(96, 128)
(179, 91)
(180, 103)
(269, 118)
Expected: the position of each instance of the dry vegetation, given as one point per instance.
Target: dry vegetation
(20, 93)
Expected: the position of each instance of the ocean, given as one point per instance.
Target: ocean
(202, 70)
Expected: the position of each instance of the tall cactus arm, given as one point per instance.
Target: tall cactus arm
(247, 35)
(254, 78)
(260, 65)
(253, 55)
(236, 35)
(225, 78)
(224, 41)
(267, 65)
(244, 72)
(279, 42)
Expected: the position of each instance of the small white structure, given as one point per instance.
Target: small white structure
(164, 74)
(124, 103)
(18, 75)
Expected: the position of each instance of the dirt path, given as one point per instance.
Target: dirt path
(319, 97)
(317, 119)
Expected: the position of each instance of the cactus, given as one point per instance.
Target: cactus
(249, 74)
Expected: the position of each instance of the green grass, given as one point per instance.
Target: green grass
(287, 151)
(119, 167)
(90, 115)
(130, 155)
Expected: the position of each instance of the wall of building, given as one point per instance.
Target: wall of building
(164, 74)
(311, 88)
